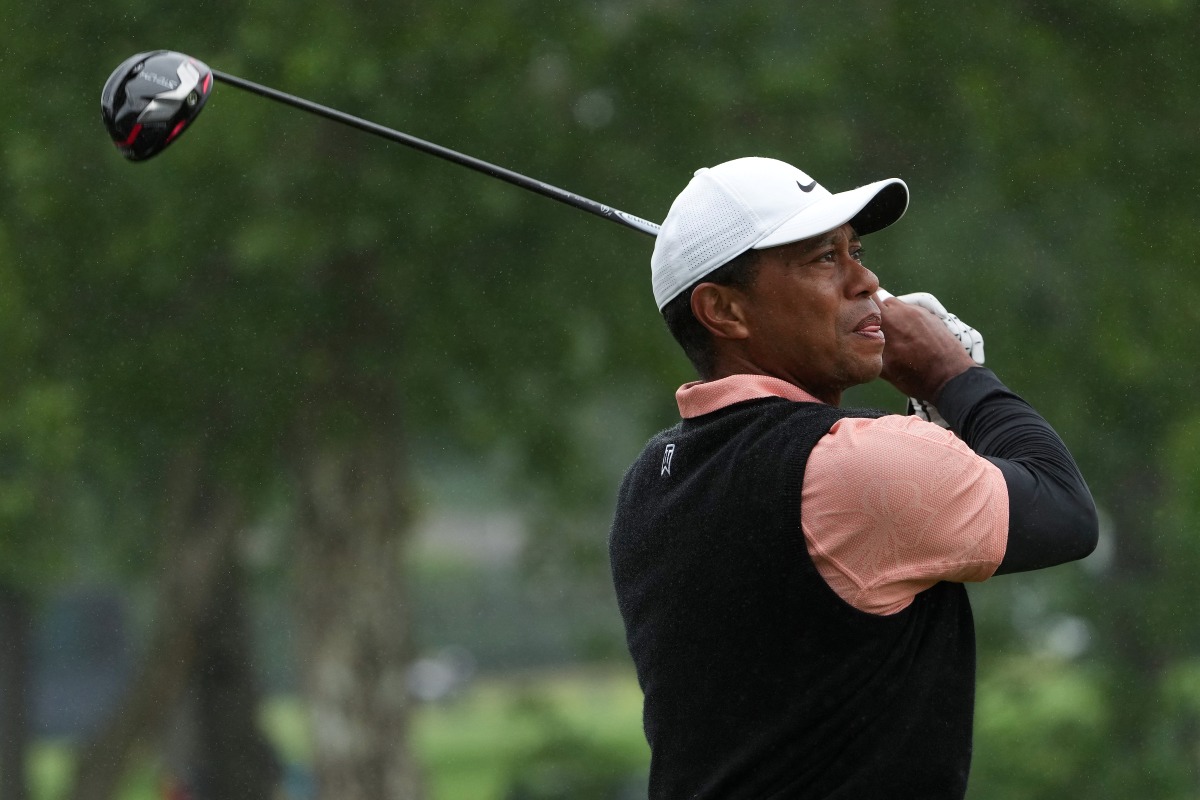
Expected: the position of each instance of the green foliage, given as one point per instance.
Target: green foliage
(580, 729)
(1040, 730)
(273, 277)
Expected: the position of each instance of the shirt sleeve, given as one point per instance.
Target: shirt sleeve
(1052, 516)
(893, 505)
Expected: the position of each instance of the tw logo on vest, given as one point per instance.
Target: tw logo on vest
(668, 454)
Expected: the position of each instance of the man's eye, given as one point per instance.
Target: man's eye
(830, 256)
(857, 255)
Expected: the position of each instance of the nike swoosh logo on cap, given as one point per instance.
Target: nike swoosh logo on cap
(807, 188)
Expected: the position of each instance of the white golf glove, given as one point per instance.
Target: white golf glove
(970, 339)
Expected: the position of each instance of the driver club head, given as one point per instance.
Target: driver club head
(150, 99)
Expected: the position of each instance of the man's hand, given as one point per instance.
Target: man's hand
(970, 338)
(920, 354)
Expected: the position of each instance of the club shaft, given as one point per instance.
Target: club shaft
(515, 178)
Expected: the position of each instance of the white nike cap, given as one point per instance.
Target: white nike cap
(755, 203)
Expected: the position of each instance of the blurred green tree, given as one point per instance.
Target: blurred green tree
(295, 316)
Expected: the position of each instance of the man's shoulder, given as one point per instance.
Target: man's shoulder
(757, 417)
(779, 408)
(747, 427)
(820, 415)
(893, 445)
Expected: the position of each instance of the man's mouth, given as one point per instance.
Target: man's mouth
(870, 327)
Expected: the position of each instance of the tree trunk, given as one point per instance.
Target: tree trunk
(16, 626)
(233, 760)
(353, 617)
(199, 531)
(1136, 655)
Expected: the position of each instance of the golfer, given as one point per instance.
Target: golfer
(791, 572)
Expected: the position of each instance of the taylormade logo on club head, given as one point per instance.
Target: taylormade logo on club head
(166, 83)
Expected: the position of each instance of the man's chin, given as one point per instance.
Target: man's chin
(870, 370)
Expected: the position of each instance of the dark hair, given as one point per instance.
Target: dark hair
(692, 336)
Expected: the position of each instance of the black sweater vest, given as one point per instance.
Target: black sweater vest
(759, 681)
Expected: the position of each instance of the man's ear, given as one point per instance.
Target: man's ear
(721, 309)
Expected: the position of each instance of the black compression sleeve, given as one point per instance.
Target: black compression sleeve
(1051, 514)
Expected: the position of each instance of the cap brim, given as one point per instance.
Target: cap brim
(868, 209)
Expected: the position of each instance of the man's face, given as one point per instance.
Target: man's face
(811, 317)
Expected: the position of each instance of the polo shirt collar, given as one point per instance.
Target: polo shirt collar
(704, 397)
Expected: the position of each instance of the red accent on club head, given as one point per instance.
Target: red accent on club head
(133, 134)
(207, 82)
(178, 128)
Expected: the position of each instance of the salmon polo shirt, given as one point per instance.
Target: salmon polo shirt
(891, 505)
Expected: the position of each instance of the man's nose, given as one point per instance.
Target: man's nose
(862, 280)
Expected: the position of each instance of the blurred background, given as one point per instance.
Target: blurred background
(309, 442)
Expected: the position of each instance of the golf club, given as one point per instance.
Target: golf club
(152, 97)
